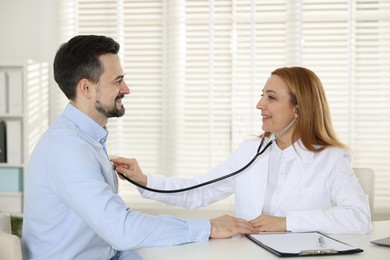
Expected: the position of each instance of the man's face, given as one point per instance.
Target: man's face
(111, 88)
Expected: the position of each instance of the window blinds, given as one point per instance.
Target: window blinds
(196, 68)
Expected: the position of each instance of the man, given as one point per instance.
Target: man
(72, 209)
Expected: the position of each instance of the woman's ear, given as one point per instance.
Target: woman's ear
(296, 113)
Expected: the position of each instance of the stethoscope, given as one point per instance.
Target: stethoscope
(259, 152)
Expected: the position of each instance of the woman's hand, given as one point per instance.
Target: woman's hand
(266, 223)
(130, 168)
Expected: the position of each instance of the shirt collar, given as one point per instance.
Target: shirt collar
(297, 149)
(86, 123)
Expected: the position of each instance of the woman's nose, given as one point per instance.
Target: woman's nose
(259, 104)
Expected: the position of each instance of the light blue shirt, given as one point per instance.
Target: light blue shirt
(72, 209)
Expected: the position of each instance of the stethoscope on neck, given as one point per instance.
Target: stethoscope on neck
(259, 152)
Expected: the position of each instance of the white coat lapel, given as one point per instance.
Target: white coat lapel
(259, 183)
(294, 170)
(250, 188)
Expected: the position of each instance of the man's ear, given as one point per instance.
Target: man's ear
(85, 88)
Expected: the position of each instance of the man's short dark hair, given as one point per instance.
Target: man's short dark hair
(79, 59)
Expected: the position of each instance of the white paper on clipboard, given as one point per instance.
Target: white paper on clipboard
(285, 244)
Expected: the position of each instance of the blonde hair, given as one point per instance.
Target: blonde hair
(314, 124)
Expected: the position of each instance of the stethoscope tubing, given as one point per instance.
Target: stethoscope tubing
(258, 153)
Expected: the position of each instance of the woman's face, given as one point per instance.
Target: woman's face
(277, 111)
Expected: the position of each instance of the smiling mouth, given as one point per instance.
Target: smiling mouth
(119, 98)
(118, 101)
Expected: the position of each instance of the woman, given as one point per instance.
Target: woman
(302, 182)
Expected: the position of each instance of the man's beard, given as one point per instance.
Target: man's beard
(110, 111)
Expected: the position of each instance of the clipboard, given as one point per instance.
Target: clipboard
(292, 244)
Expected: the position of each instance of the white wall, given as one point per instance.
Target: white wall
(28, 31)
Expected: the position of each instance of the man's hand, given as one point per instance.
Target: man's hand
(265, 223)
(130, 167)
(228, 226)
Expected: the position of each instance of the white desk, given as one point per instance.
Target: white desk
(244, 249)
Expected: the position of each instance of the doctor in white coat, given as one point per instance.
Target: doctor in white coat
(302, 182)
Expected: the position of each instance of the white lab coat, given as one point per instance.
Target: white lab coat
(320, 193)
